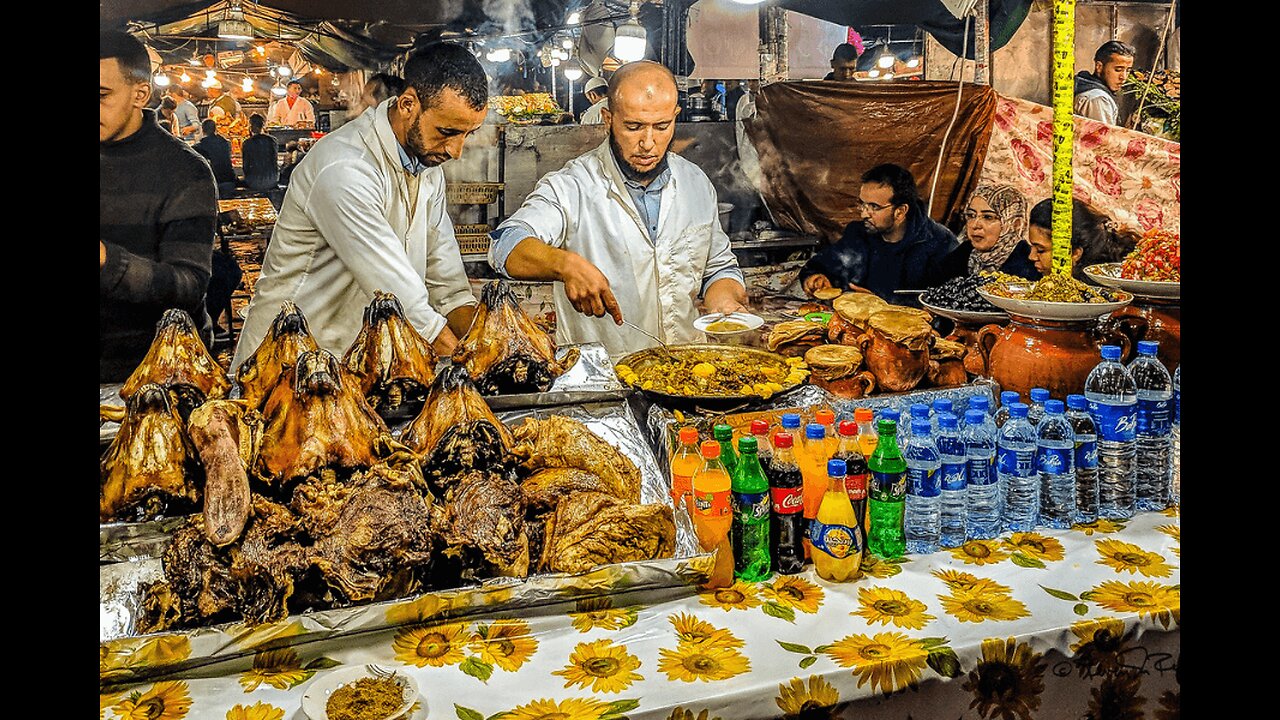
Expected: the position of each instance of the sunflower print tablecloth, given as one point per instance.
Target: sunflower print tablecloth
(1054, 623)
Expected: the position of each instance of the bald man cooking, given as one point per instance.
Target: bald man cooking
(627, 230)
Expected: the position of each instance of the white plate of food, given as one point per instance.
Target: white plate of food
(1049, 310)
(358, 690)
(1109, 274)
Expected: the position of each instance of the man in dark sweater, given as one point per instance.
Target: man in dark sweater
(895, 246)
(217, 150)
(158, 207)
(260, 155)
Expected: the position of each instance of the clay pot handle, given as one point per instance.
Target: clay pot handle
(1125, 331)
(867, 378)
(862, 342)
(987, 333)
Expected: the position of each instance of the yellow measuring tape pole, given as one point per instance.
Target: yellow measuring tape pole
(1064, 62)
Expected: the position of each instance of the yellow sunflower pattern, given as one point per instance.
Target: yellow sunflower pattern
(1007, 681)
(982, 552)
(1101, 525)
(889, 606)
(281, 669)
(434, 645)
(600, 613)
(679, 713)
(981, 604)
(794, 592)
(504, 643)
(1127, 557)
(738, 596)
(256, 711)
(142, 652)
(1147, 599)
(704, 653)
(889, 660)
(600, 666)
(691, 631)
(798, 696)
(961, 580)
(1175, 532)
(1031, 549)
(547, 709)
(162, 701)
(880, 568)
(1087, 631)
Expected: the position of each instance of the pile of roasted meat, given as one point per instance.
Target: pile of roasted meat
(304, 499)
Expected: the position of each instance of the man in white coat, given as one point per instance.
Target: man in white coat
(292, 110)
(627, 229)
(365, 211)
(596, 92)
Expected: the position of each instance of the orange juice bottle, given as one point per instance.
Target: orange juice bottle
(827, 419)
(867, 436)
(835, 532)
(813, 469)
(713, 516)
(684, 463)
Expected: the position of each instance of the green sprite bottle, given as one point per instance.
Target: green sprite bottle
(887, 493)
(724, 435)
(749, 534)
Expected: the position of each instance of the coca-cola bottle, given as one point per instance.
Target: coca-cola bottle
(786, 525)
(856, 480)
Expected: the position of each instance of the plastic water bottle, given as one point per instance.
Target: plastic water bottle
(1007, 398)
(923, 521)
(940, 405)
(1155, 427)
(951, 451)
(1016, 466)
(1113, 403)
(1175, 492)
(1086, 458)
(978, 402)
(1035, 413)
(1055, 460)
(919, 411)
(983, 508)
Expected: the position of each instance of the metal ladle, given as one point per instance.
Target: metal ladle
(646, 333)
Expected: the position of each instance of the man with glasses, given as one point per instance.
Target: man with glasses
(895, 246)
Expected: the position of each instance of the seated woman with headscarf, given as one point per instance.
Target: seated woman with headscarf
(1095, 238)
(994, 237)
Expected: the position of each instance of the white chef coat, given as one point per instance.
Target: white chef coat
(585, 208)
(592, 115)
(282, 114)
(346, 229)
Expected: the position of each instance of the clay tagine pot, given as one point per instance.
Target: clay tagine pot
(836, 369)
(1052, 354)
(1161, 321)
(946, 363)
(896, 348)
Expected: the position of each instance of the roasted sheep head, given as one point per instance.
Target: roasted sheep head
(504, 351)
(590, 529)
(481, 522)
(561, 442)
(456, 431)
(145, 472)
(317, 420)
(394, 363)
(276, 355)
(178, 361)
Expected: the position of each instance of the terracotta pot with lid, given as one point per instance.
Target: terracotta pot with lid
(1155, 319)
(1053, 354)
(946, 363)
(896, 348)
(835, 368)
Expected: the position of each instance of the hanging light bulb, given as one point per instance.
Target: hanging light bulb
(629, 38)
(211, 74)
(184, 77)
(207, 82)
(574, 18)
(561, 54)
(279, 90)
(555, 62)
(885, 61)
(572, 72)
(161, 80)
(499, 55)
(873, 73)
(567, 43)
(284, 71)
(914, 62)
(262, 49)
(888, 76)
(247, 84)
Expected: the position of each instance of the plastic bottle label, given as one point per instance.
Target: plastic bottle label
(923, 482)
(1116, 423)
(1021, 463)
(752, 507)
(856, 486)
(1087, 455)
(1054, 461)
(953, 476)
(838, 541)
(787, 500)
(713, 504)
(1153, 417)
(1177, 407)
(888, 487)
(982, 471)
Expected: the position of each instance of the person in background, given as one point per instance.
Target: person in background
(166, 115)
(627, 229)
(187, 122)
(259, 154)
(994, 237)
(377, 88)
(596, 91)
(217, 150)
(1095, 238)
(365, 211)
(895, 246)
(221, 103)
(157, 214)
(1095, 92)
(292, 110)
(844, 62)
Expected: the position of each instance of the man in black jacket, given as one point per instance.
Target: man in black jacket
(217, 150)
(158, 208)
(896, 246)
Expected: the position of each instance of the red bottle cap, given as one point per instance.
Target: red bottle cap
(848, 428)
(759, 427)
(824, 417)
(688, 435)
(783, 440)
(862, 415)
(710, 449)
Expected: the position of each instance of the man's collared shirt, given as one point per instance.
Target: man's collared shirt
(411, 164)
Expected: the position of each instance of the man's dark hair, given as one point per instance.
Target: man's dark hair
(392, 85)
(209, 126)
(178, 90)
(845, 52)
(898, 178)
(168, 104)
(256, 123)
(1113, 47)
(294, 81)
(128, 51)
(443, 65)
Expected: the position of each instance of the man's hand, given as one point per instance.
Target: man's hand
(445, 342)
(725, 295)
(588, 289)
(814, 283)
(102, 254)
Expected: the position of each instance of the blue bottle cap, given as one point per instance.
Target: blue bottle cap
(921, 427)
(1039, 395)
(1008, 397)
(1018, 410)
(949, 421)
(1148, 347)
(919, 410)
(890, 414)
(981, 402)
(814, 431)
(942, 405)
(1077, 402)
(974, 417)
(1054, 407)
(790, 420)
(836, 467)
(1110, 352)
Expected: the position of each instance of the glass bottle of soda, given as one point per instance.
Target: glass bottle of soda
(684, 463)
(855, 481)
(887, 493)
(724, 435)
(713, 516)
(750, 533)
(786, 523)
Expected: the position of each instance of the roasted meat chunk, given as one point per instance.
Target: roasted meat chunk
(589, 529)
(456, 431)
(505, 352)
(178, 361)
(561, 442)
(225, 434)
(146, 471)
(394, 362)
(276, 355)
(481, 521)
(547, 487)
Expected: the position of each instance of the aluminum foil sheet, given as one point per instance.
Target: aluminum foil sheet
(127, 657)
(109, 395)
(123, 541)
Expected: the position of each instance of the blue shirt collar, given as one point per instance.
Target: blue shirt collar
(656, 186)
(410, 164)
